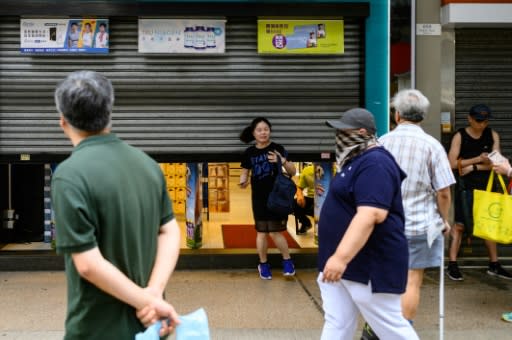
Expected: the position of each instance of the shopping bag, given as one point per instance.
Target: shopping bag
(492, 213)
(282, 197)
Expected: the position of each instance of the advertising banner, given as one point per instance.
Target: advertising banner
(323, 176)
(300, 36)
(182, 36)
(64, 36)
(194, 206)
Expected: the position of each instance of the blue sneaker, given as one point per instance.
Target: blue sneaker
(288, 267)
(507, 317)
(264, 270)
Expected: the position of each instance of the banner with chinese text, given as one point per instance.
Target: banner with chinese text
(79, 35)
(300, 36)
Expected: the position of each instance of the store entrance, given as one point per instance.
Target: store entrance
(22, 204)
(234, 208)
(228, 204)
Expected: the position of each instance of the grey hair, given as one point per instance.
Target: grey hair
(85, 99)
(411, 105)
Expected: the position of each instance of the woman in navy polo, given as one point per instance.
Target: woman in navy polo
(362, 249)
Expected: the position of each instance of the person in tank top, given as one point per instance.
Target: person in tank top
(468, 157)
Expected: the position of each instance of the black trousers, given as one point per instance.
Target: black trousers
(302, 213)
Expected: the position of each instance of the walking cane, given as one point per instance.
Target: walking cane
(441, 292)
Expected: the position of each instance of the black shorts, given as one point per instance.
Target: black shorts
(270, 226)
(464, 207)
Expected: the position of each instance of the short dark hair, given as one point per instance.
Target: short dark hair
(103, 24)
(246, 136)
(85, 99)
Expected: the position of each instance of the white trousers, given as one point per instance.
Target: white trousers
(344, 300)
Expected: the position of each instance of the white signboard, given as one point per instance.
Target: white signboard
(80, 35)
(181, 36)
(428, 29)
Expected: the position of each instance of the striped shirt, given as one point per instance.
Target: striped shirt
(428, 170)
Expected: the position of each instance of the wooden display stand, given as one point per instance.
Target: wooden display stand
(218, 187)
(176, 179)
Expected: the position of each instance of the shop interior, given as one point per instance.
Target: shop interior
(228, 204)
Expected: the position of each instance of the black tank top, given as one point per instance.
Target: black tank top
(471, 147)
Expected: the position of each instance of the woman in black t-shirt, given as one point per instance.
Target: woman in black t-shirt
(260, 162)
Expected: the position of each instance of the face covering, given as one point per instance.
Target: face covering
(350, 143)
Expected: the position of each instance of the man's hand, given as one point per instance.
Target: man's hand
(447, 228)
(484, 158)
(301, 201)
(333, 270)
(502, 168)
(147, 315)
(158, 309)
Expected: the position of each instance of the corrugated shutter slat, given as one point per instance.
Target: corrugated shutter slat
(483, 74)
(184, 107)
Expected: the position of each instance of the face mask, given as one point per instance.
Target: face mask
(350, 143)
(193, 326)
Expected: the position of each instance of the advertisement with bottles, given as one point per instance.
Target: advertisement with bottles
(301, 36)
(79, 35)
(182, 36)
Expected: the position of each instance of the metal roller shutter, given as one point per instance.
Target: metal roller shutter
(483, 74)
(178, 107)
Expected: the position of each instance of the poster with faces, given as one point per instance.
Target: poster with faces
(56, 36)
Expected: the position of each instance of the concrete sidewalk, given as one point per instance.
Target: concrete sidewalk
(241, 306)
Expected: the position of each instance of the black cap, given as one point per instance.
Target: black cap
(357, 118)
(480, 112)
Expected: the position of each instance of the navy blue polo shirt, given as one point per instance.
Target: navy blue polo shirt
(371, 179)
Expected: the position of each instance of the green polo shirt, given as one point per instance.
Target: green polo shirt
(110, 195)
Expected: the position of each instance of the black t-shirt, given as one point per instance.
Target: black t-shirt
(471, 147)
(263, 175)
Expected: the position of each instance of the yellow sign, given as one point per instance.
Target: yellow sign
(300, 36)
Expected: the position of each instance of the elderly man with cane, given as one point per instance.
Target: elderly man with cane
(425, 192)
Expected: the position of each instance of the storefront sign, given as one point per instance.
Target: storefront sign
(300, 36)
(64, 36)
(446, 122)
(428, 29)
(181, 36)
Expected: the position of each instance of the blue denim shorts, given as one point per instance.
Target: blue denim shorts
(421, 256)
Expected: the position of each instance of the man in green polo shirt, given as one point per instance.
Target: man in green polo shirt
(114, 221)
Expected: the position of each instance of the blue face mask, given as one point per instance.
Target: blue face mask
(151, 333)
(193, 326)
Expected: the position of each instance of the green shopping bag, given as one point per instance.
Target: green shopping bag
(492, 213)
